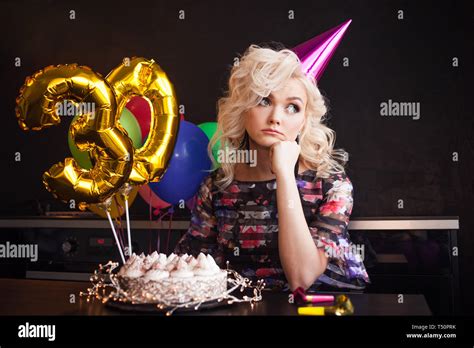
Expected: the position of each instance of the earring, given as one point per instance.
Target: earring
(297, 166)
(247, 141)
(248, 147)
(243, 143)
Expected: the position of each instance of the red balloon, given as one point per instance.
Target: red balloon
(152, 199)
(140, 108)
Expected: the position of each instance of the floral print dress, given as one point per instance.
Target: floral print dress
(240, 225)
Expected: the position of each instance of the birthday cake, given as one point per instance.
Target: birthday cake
(173, 279)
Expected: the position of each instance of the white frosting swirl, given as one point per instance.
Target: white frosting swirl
(150, 260)
(171, 257)
(182, 270)
(202, 268)
(192, 262)
(212, 264)
(171, 263)
(135, 269)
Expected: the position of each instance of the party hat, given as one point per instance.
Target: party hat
(316, 53)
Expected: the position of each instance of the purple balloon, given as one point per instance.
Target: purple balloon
(188, 165)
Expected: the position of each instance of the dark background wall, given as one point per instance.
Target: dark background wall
(407, 60)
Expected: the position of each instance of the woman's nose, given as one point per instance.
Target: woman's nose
(275, 117)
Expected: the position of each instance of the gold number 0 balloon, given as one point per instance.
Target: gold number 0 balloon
(99, 132)
(145, 78)
(96, 131)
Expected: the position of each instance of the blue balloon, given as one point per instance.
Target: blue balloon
(188, 165)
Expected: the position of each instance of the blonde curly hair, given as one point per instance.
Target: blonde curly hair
(260, 71)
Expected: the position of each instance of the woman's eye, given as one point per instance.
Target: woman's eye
(265, 102)
(294, 109)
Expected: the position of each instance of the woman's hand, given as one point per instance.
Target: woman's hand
(283, 157)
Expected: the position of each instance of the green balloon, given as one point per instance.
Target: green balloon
(127, 121)
(81, 157)
(130, 123)
(210, 128)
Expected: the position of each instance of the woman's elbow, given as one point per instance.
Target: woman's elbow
(307, 278)
(303, 282)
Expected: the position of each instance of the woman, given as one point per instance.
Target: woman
(284, 216)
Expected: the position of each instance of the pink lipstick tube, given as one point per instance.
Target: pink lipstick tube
(319, 298)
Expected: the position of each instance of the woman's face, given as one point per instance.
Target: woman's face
(283, 111)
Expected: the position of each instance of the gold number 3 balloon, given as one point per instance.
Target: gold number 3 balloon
(98, 131)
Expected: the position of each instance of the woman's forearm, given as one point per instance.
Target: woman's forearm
(301, 260)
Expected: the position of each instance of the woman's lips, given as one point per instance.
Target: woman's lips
(270, 132)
